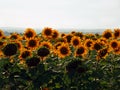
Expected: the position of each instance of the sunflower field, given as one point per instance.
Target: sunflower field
(51, 60)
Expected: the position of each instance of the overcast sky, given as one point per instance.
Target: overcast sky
(84, 14)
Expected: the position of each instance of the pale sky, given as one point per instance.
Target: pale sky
(84, 14)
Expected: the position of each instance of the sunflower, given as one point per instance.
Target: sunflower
(73, 32)
(43, 52)
(63, 34)
(116, 33)
(79, 34)
(19, 44)
(75, 41)
(107, 34)
(47, 32)
(113, 44)
(1, 33)
(24, 54)
(61, 40)
(96, 45)
(56, 47)
(68, 37)
(81, 51)
(88, 43)
(32, 44)
(103, 41)
(14, 36)
(46, 44)
(63, 50)
(32, 61)
(55, 34)
(29, 33)
(10, 49)
(117, 50)
(102, 53)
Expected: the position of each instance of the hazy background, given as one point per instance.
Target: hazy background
(59, 14)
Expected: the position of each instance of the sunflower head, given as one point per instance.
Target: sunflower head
(88, 43)
(114, 44)
(63, 50)
(46, 44)
(116, 33)
(19, 44)
(24, 54)
(68, 37)
(32, 61)
(10, 49)
(29, 33)
(107, 34)
(75, 41)
(14, 36)
(81, 51)
(79, 34)
(55, 34)
(102, 53)
(47, 32)
(63, 34)
(32, 43)
(96, 46)
(43, 52)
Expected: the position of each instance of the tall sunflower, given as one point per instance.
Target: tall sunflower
(96, 46)
(113, 44)
(55, 34)
(43, 52)
(68, 37)
(75, 41)
(107, 34)
(15, 36)
(102, 53)
(47, 32)
(116, 33)
(32, 44)
(80, 51)
(88, 43)
(46, 44)
(10, 49)
(63, 50)
(24, 54)
(29, 33)
(117, 50)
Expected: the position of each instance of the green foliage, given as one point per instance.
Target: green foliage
(62, 74)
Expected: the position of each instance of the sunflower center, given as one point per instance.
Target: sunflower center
(32, 43)
(10, 49)
(64, 50)
(103, 53)
(116, 34)
(108, 35)
(75, 42)
(48, 32)
(89, 44)
(114, 45)
(43, 52)
(55, 34)
(80, 50)
(29, 34)
(69, 38)
(13, 37)
(97, 46)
